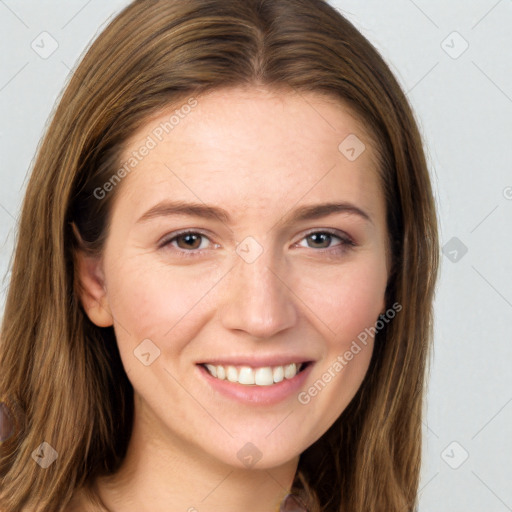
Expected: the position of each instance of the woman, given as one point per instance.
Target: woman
(254, 370)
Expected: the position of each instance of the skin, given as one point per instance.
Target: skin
(259, 154)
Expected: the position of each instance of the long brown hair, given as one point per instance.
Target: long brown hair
(62, 376)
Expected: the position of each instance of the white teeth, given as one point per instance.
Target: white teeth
(278, 373)
(212, 369)
(290, 370)
(232, 374)
(220, 372)
(263, 376)
(246, 375)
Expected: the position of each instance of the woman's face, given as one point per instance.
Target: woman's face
(268, 277)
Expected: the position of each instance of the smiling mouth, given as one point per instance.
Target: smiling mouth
(248, 376)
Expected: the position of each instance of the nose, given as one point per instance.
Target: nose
(258, 299)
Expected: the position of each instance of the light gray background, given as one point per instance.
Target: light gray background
(463, 100)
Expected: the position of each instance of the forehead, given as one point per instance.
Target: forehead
(250, 148)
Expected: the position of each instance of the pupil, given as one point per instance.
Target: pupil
(189, 239)
(320, 235)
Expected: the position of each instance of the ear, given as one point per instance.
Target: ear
(90, 287)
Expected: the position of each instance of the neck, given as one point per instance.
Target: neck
(160, 474)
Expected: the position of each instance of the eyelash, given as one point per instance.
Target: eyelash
(345, 245)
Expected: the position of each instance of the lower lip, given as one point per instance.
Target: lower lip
(253, 394)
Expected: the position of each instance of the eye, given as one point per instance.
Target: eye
(324, 239)
(190, 243)
(187, 243)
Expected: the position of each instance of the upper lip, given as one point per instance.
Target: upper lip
(257, 362)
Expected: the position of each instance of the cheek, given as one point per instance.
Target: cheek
(349, 303)
(347, 299)
(151, 300)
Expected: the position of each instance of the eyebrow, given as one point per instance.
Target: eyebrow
(302, 213)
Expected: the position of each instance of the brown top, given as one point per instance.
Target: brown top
(292, 503)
